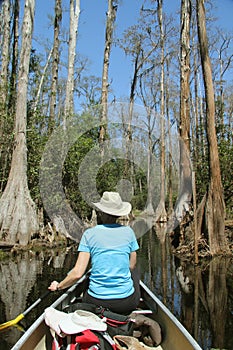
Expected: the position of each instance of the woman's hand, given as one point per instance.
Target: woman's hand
(74, 275)
(53, 286)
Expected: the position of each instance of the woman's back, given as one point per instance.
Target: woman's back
(110, 246)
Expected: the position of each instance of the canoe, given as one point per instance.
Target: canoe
(175, 336)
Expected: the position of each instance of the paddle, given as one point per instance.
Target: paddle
(23, 314)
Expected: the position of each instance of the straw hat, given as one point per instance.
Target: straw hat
(81, 320)
(111, 203)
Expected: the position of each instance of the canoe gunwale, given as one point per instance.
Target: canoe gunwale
(159, 310)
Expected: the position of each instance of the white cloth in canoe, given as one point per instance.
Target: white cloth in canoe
(71, 323)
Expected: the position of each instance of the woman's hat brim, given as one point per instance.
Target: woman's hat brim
(124, 210)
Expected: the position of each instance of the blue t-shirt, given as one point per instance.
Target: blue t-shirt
(110, 247)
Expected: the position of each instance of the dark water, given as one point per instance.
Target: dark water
(200, 297)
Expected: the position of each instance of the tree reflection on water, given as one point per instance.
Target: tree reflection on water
(24, 278)
(199, 296)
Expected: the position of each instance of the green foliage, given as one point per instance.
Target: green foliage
(202, 175)
(70, 172)
(139, 200)
(101, 177)
(3, 255)
(6, 145)
(226, 163)
(36, 141)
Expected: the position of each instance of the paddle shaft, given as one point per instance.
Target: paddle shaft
(23, 314)
(35, 303)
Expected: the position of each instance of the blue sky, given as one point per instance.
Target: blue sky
(91, 32)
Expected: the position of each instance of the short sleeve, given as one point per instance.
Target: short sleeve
(134, 243)
(83, 245)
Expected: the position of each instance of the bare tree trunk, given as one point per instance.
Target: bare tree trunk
(14, 65)
(170, 165)
(150, 123)
(63, 219)
(5, 118)
(74, 18)
(4, 65)
(41, 81)
(161, 214)
(18, 217)
(128, 166)
(150, 168)
(185, 192)
(149, 205)
(195, 104)
(215, 206)
(53, 98)
(111, 17)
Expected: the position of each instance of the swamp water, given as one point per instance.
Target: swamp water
(200, 297)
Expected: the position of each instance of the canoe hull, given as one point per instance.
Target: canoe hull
(175, 336)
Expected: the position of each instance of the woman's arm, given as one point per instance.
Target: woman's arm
(75, 274)
(132, 260)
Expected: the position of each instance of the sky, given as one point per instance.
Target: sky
(91, 33)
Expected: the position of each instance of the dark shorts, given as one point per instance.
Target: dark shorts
(122, 306)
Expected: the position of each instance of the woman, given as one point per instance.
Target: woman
(111, 247)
